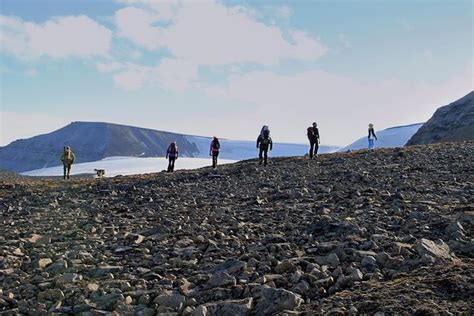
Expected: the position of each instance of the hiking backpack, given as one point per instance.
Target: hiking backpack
(216, 145)
(265, 141)
(173, 149)
(265, 132)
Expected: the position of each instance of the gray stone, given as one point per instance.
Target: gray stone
(68, 278)
(276, 300)
(171, 299)
(222, 279)
(201, 310)
(44, 262)
(285, 267)
(357, 275)
(57, 267)
(332, 260)
(455, 231)
(438, 250)
(108, 302)
(104, 270)
(231, 307)
(231, 266)
(369, 262)
(51, 295)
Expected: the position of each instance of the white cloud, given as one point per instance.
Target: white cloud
(209, 33)
(136, 25)
(162, 10)
(171, 74)
(109, 67)
(340, 105)
(60, 37)
(13, 37)
(131, 79)
(175, 74)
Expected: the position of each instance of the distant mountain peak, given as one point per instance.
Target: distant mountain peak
(452, 122)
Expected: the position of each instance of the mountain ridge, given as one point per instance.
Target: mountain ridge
(93, 141)
(452, 122)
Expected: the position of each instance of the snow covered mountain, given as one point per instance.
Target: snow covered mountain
(94, 141)
(391, 137)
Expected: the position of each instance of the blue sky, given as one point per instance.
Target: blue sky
(226, 67)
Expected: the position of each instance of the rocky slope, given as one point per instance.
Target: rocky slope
(450, 123)
(388, 231)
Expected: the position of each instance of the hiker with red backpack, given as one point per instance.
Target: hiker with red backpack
(264, 143)
(172, 155)
(313, 137)
(214, 151)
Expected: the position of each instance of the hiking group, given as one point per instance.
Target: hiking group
(264, 144)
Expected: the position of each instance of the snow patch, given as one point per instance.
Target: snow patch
(114, 166)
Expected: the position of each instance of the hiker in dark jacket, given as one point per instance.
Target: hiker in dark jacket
(67, 158)
(172, 155)
(214, 151)
(264, 143)
(313, 137)
(372, 137)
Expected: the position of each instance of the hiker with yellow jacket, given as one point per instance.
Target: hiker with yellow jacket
(68, 159)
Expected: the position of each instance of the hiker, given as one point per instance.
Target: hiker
(313, 137)
(172, 155)
(264, 143)
(214, 151)
(67, 158)
(372, 137)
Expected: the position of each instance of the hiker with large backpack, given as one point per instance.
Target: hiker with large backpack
(372, 137)
(67, 158)
(172, 155)
(214, 151)
(264, 143)
(313, 137)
